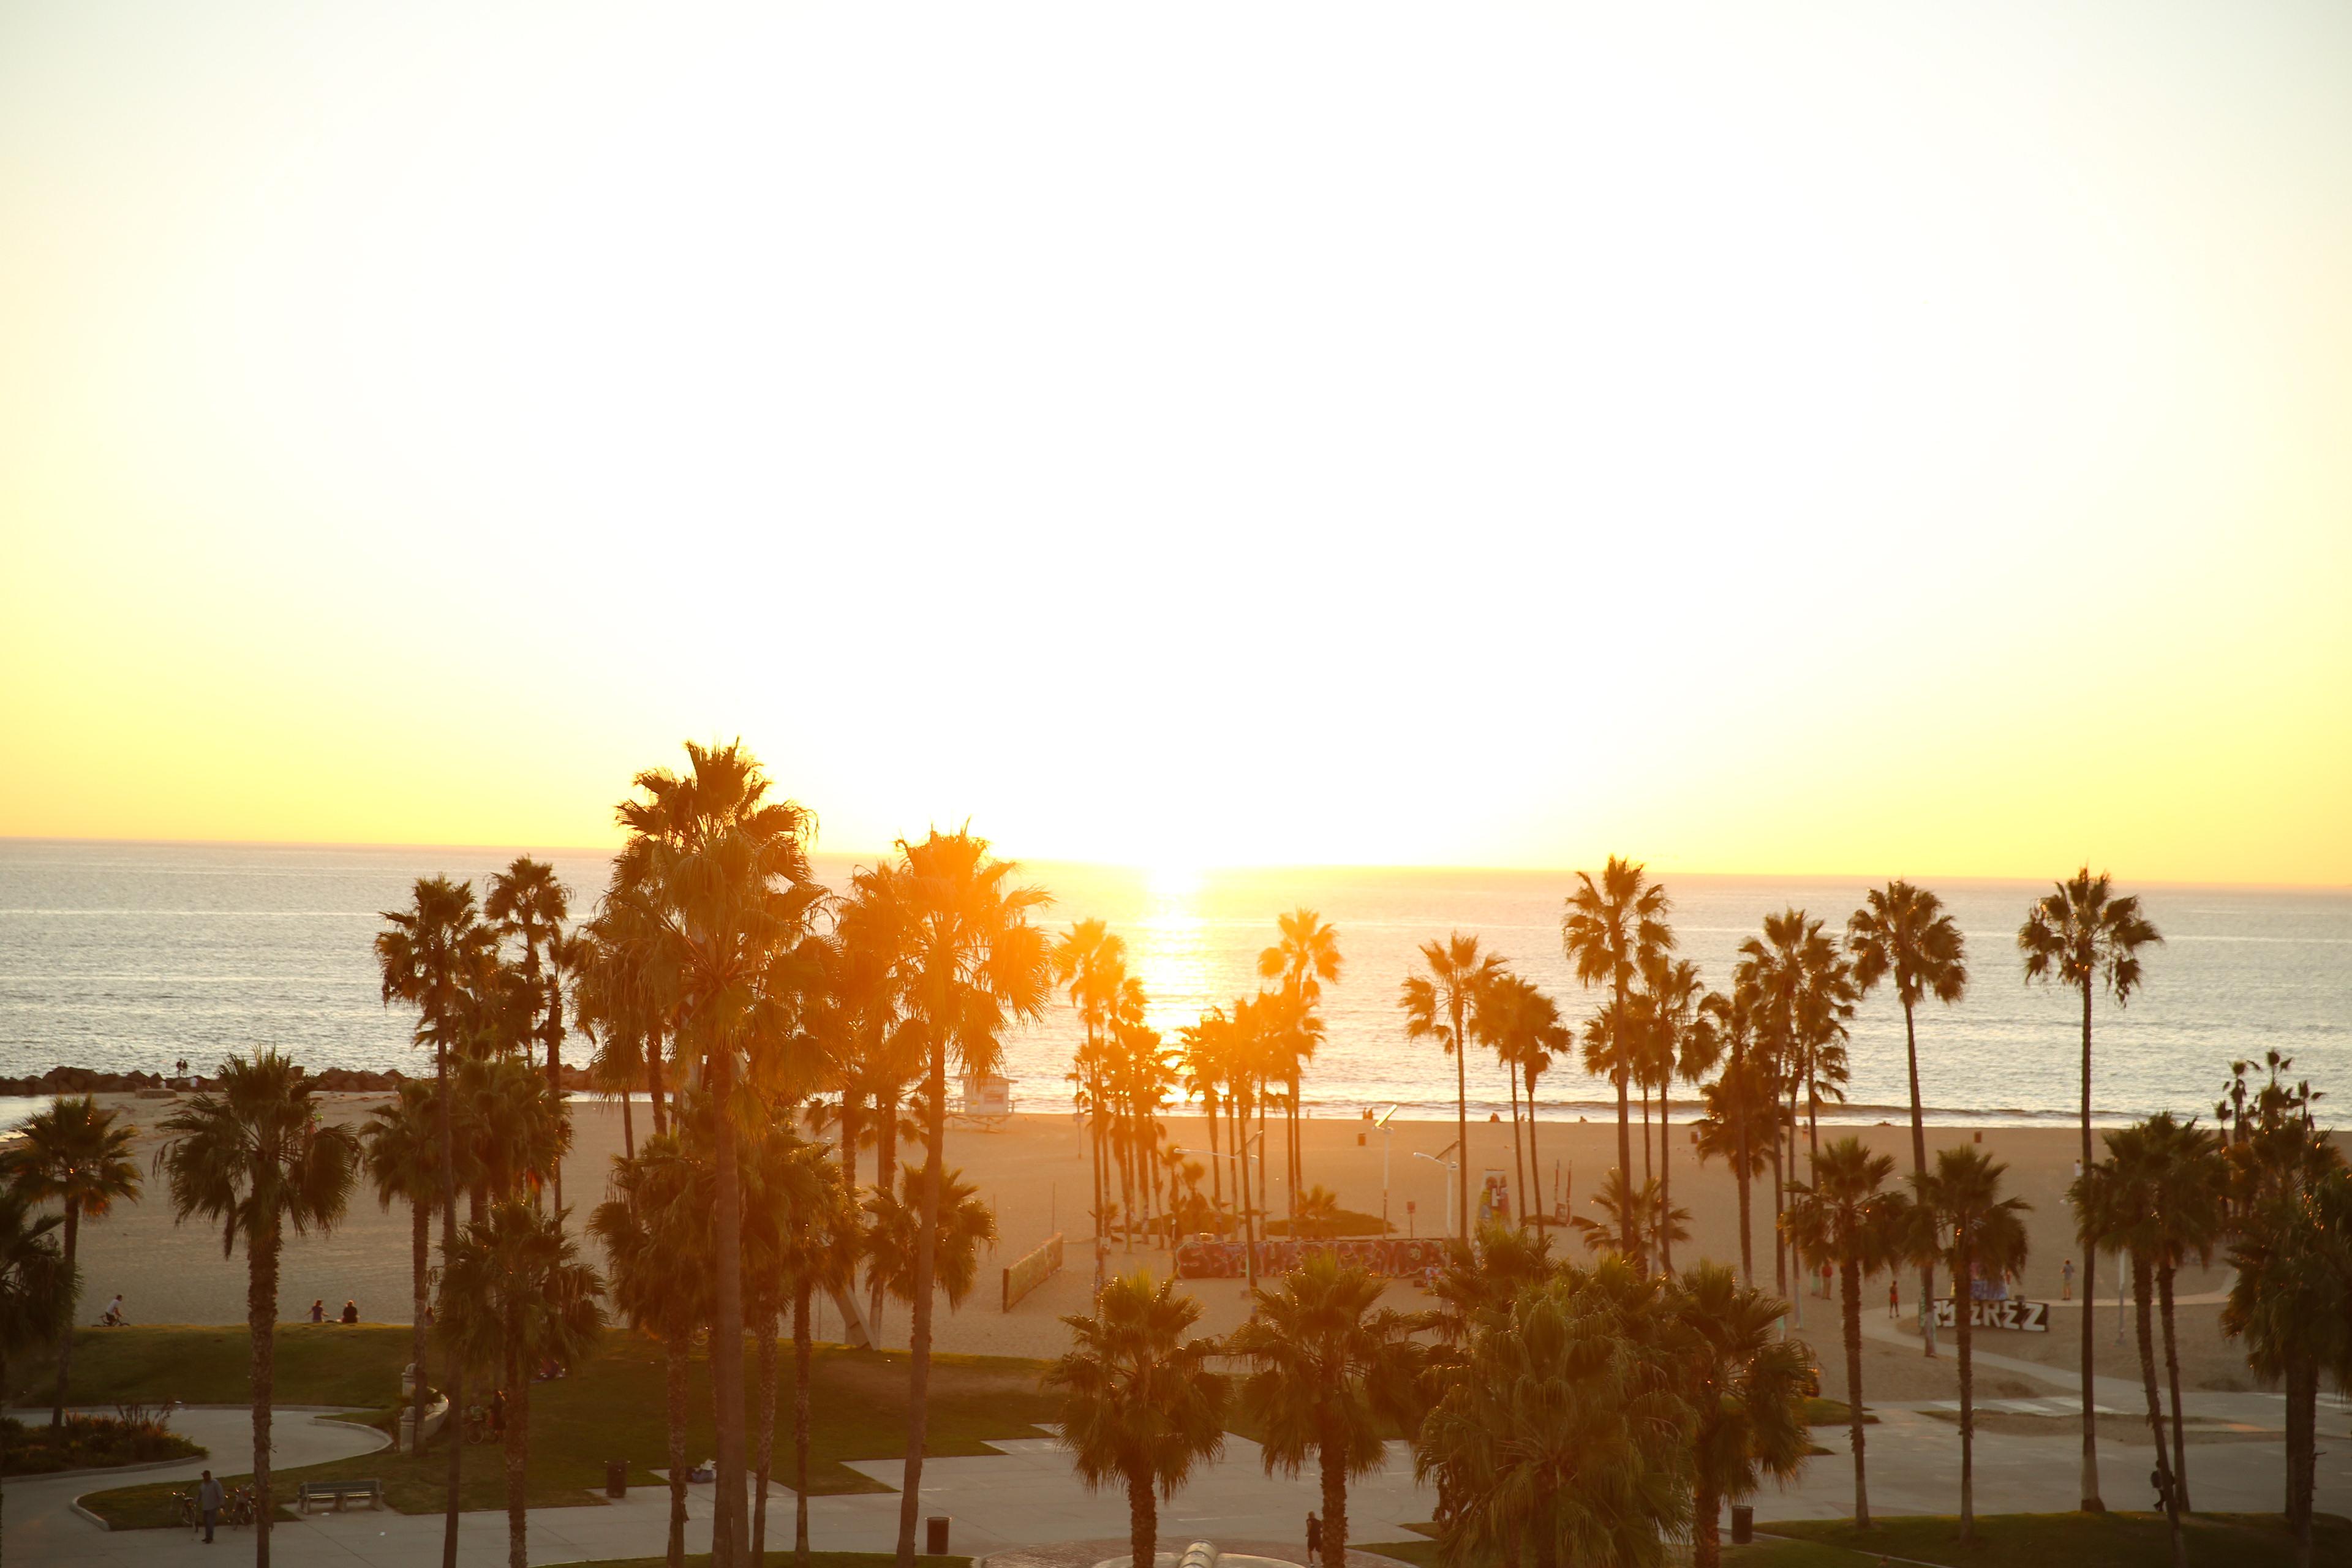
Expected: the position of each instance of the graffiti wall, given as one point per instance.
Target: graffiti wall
(1394, 1257)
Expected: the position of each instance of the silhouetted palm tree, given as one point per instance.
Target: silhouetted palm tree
(1139, 1405)
(822, 1242)
(404, 1162)
(1438, 1006)
(515, 1294)
(1844, 1218)
(2191, 1178)
(1679, 1040)
(1960, 1214)
(1902, 933)
(1522, 1025)
(1748, 1384)
(2083, 935)
(893, 1240)
(251, 1155)
(527, 902)
(36, 1289)
(1802, 992)
(2115, 1208)
(1642, 1213)
(1734, 1104)
(1305, 958)
(1609, 928)
(78, 1156)
(1331, 1370)
(969, 964)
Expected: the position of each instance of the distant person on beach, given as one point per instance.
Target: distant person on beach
(319, 1310)
(2066, 1281)
(1894, 1299)
(350, 1311)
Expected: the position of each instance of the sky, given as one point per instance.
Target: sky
(1877, 439)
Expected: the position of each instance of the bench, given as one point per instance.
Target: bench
(337, 1491)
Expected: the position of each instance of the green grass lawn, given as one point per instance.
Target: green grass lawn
(612, 1408)
(1820, 1412)
(317, 1363)
(2060, 1539)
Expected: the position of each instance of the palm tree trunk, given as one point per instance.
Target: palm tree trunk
(918, 1370)
(675, 1343)
(1249, 1241)
(765, 1454)
(1624, 1114)
(262, 1323)
(454, 1375)
(1535, 1159)
(1462, 1121)
(1666, 1182)
(1649, 1172)
(1851, 1289)
(727, 1328)
(1216, 1170)
(2164, 1277)
(848, 1155)
(801, 1355)
(420, 1262)
(1143, 1521)
(1334, 1499)
(516, 1443)
(1707, 1523)
(1095, 1140)
(2301, 1448)
(1961, 1313)
(654, 1084)
(65, 1340)
(1919, 1173)
(629, 1128)
(2143, 1329)
(1779, 1252)
(1738, 1109)
(555, 1071)
(2092, 1502)
(1518, 1160)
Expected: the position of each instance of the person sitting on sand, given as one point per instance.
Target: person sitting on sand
(350, 1312)
(319, 1310)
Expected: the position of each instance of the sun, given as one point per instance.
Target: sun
(1172, 879)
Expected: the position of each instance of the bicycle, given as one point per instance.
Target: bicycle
(184, 1511)
(240, 1509)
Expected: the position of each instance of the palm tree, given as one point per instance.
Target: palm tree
(2083, 935)
(426, 955)
(1526, 1034)
(1090, 961)
(2116, 1206)
(1803, 992)
(252, 1156)
(2191, 1176)
(1141, 1405)
(512, 1132)
(1304, 958)
(1961, 1218)
(1842, 1218)
(1482, 1277)
(1438, 1006)
(1748, 1385)
(1642, 1213)
(77, 1156)
(893, 1241)
(1679, 1040)
(527, 902)
(716, 873)
(970, 963)
(1330, 1370)
(655, 1230)
(1564, 1431)
(1902, 931)
(404, 1162)
(821, 1245)
(516, 1294)
(1608, 930)
(37, 1288)
(1742, 1091)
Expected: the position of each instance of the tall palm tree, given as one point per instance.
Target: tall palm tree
(961, 1224)
(1608, 929)
(404, 1162)
(655, 1230)
(527, 901)
(1438, 1006)
(1140, 1404)
(2116, 1206)
(2082, 934)
(1803, 992)
(822, 1243)
(1090, 961)
(1562, 1431)
(252, 1156)
(970, 964)
(1748, 1384)
(1524, 1027)
(78, 1156)
(1642, 1213)
(716, 873)
(1902, 933)
(1678, 1041)
(1304, 959)
(1743, 1091)
(1960, 1214)
(36, 1289)
(1845, 1218)
(427, 954)
(512, 1131)
(1331, 1371)
(2191, 1178)
(516, 1294)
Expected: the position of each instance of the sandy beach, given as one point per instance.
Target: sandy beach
(1033, 1171)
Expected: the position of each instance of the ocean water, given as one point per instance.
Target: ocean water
(122, 956)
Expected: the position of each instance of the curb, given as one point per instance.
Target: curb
(196, 1458)
(317, 1412)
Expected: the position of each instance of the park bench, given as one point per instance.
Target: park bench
(337, 1491)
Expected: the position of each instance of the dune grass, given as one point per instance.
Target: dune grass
(612, 1408)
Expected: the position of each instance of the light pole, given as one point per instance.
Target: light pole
(1452, 1168)
(1388, 1139)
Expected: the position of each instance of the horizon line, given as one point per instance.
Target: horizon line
(1146, 868)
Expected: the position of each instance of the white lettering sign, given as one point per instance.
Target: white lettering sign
(2021, 1317)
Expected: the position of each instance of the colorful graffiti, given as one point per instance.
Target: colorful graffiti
(1394, 1257)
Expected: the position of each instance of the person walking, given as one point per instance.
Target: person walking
(209, 1498)
(1894, 1299)
(1314, 1539)
(2066, 1281)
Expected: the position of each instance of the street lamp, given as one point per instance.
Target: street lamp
(1452, 1168)
(1388, 1138)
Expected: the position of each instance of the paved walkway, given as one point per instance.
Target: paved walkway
(1024, 1494)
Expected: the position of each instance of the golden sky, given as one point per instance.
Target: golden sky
(1861, 439)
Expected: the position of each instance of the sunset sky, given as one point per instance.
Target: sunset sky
(1842, 438)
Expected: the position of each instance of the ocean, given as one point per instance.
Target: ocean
(119, 956)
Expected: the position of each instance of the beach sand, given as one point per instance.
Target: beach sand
(1034, 1172)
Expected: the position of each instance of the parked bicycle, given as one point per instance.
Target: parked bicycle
(184, 1511)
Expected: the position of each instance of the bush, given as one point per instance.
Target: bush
(134, 1435)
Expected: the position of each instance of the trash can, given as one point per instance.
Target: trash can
(616, 1477)
(935, 1535)
(1743, 1524)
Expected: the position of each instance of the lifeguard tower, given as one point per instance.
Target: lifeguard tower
(982, 1099)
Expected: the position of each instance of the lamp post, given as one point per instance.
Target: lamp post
(1388, 1139)
(1452, 1168)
